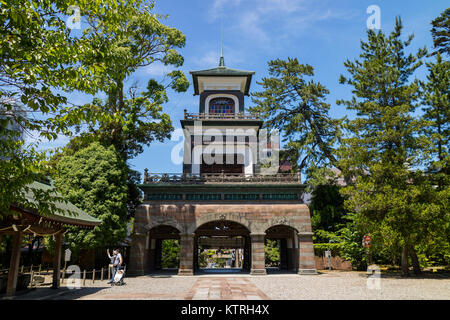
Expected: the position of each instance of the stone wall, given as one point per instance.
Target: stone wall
(337, 263)
(187, 217)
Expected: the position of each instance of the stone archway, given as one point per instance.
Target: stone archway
(156, 236)
(240, 218)
(284, 238)
(228, 237)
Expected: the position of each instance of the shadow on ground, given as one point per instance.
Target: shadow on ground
(47, 293)
(440, 275)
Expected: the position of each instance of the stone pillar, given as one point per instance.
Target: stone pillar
(57, 260)
(138, 254)
(186, 255)
(306, 262)
(258, 258)
(14, 264)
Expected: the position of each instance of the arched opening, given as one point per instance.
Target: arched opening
(280, 249)
(222, 246)
(163, 249)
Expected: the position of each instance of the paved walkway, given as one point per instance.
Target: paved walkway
(225, 289)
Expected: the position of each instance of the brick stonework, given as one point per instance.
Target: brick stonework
(258, 263)
(306, 262)
(257, 217)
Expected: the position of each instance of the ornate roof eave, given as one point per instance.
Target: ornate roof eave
(222, 71)
(56, 219)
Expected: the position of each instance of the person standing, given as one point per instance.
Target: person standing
(117, 262)
(111, 261)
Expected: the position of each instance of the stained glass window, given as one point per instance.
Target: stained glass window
(221, 105)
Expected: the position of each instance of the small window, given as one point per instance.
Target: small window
(221, 105)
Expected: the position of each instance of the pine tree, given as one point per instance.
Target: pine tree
(441, 32)
(437, 112)
(383, 145)
(295, 104)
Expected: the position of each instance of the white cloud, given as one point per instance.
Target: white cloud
(218, 7)
(210, 59)
(251, 24)
(264, 21)
(158, 69)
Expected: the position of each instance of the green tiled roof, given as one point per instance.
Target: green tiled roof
(222, 71)
(70, 214)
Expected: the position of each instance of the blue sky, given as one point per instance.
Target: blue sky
(320, 33)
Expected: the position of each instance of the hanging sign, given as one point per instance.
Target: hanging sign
(67, 254)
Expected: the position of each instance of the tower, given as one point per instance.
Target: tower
(224, 197)
(221, 137)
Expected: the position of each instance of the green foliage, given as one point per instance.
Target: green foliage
(327, 209)
(384, 150)
(95, 180)
(125, 38)
(272, 253)
(437, 113)
(41, 59)
(203, 258)
(37, 55)
(441, 32)
(170, 257)
(296, 106)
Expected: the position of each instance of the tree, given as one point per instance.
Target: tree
(37, 56)
(437, 112)
(437, 130)
(272, 252)
(170, 253)
(382, 150)
(95, 180)
(327, 209)
(441, 32)
(127, 38)
(296, 106)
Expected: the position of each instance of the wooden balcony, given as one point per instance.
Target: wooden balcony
(220, 178)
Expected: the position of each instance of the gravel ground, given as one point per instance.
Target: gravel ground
(328, 285)
(351, 286)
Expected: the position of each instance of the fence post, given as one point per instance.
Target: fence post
(109, 272)
(63, 275)
(93, 276)
(31, 268)
(101, 275)
(39, 272)
(21, 269)
(84, 277)
(31, 279)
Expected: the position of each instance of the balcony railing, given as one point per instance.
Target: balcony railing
(215, 178)
(221, 116)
